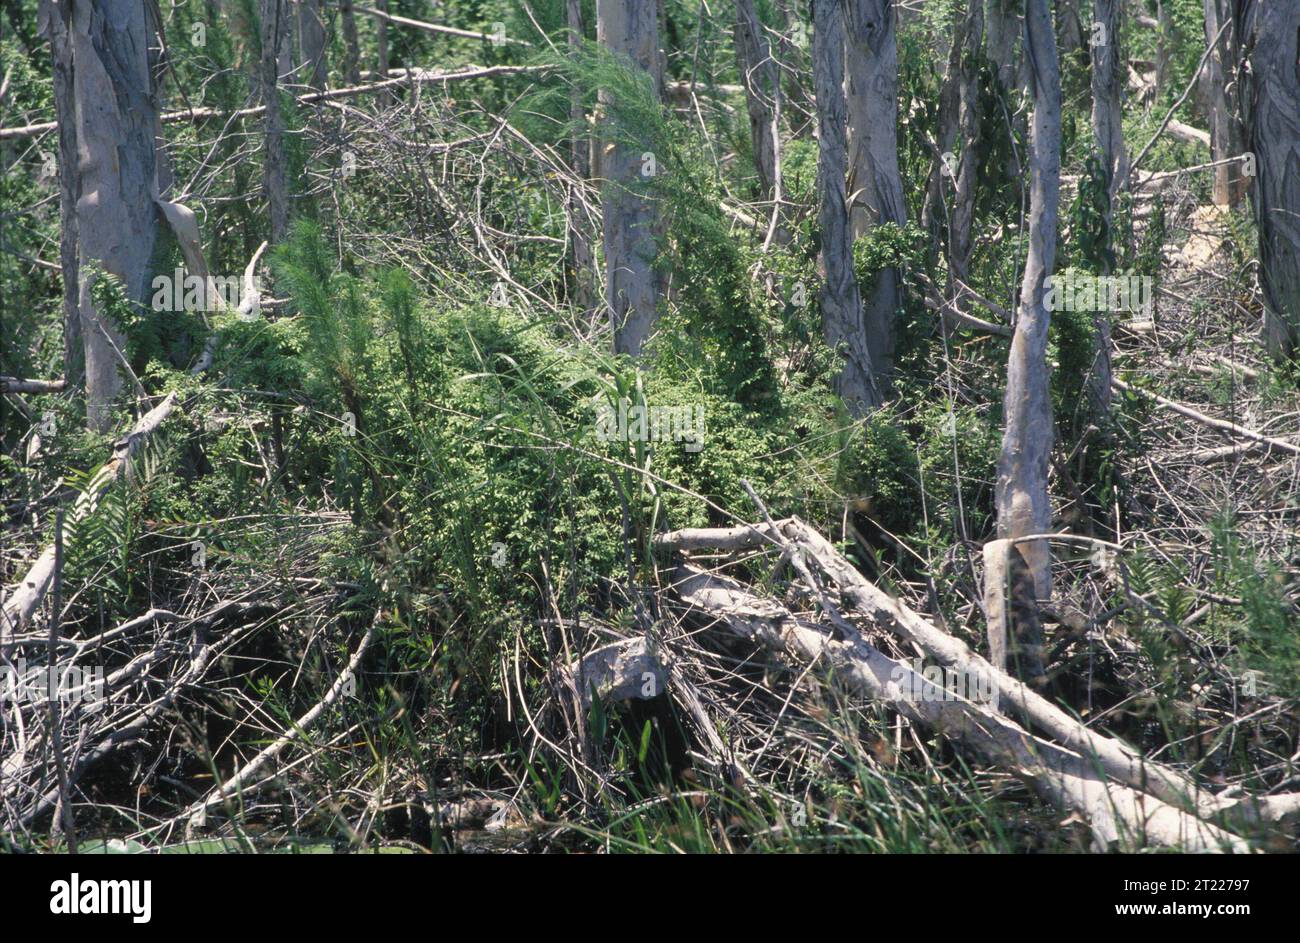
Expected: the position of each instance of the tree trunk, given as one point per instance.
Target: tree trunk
(274, 171)
(311, 44)
(874, 185)
(55, 26)
(841, 304)
(584, 262)
(932, 213)
(1221, 81)
(963, 208)
(381, 38)
(1069, 27)
(1165, 40)
(351, 46)
(630, 31)
(758, 74)
(1004, 25)
(1271, 96)
(1023, 505)
(115, 120)
(1108, 77)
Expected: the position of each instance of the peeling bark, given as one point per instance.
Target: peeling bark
(1022, 500)
(875, 187)
(115, 121)
(841, 304)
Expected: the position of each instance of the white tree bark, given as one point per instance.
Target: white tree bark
(630, 30)
(758, 74)
(115, 118)
(841, 303)
(875, 187)
(1022, 500)
(1221, 82)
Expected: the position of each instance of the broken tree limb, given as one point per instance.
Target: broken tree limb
(19, 385)
(21, 602)
(416, 75)
(1231, 428)
(1116, 813)
(627, 670)
(438, 28)
(1118, 760)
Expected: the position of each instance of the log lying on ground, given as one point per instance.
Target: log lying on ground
(1116, 813)
(1116, 759)
(21, 602)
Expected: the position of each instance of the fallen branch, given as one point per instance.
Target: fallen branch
(417, 76)
(21, 602)
(1116, 759)
(438, 28)
(1231, 428)
(19, 385)
(196, 814)
(1116, 813)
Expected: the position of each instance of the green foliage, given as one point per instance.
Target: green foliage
(1088, 212)
(1266, 624)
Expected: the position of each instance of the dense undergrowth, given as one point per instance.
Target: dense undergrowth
(392, 438)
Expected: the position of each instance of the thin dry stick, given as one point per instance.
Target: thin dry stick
(53, 691)
(1221, 424)
(197, 812)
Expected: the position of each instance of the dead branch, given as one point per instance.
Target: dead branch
(21, 602)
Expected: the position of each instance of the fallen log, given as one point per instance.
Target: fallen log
(1113, 757)
(1117, 814)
